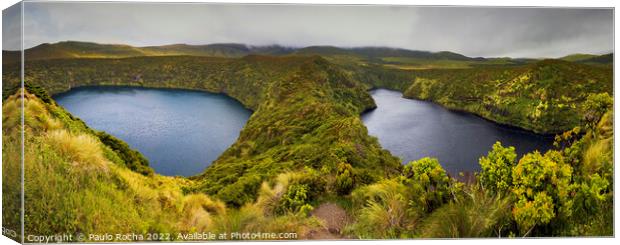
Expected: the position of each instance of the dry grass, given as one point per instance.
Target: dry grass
(83, 151)
(599, 150)
(197, 211)
(11, 114)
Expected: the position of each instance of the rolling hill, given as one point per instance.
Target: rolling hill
(379, 55)
(592, 59)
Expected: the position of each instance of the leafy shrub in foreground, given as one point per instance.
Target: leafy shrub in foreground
(542, 188)
(428, 180)
(496, 174)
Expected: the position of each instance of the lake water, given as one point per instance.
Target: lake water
(412, 129)
(180, 131)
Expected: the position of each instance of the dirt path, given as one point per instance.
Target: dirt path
(335, 219)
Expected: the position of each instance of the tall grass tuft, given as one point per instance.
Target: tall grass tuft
(384, 211)
(83, 151)
(476, 214)
(197, 211)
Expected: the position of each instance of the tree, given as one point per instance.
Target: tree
(496, 174)
(541, 185)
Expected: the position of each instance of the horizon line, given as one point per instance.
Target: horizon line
(302, 47)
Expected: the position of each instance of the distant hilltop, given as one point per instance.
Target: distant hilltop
(76, 49)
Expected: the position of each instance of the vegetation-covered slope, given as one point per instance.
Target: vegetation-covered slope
(305, 145)
(306, 113)
(382, 55)
(319, 128)
(76, 184)
(74, 49)
(563, 192)
(604, 59)
(545, 97)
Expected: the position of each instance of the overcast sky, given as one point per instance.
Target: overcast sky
(488, 32)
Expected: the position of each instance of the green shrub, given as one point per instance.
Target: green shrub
(595, 107)
(133, 159)
(542, 187)
(295, 200)
(344, 179)
(496, 174)
(428, 181)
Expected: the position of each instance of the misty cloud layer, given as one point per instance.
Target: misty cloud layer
(489, 32)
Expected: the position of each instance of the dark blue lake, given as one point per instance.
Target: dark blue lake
(412, 129)
(180, 131)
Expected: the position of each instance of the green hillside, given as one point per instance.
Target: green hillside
(590, 59)
(545, 97)
(606, 59)
(381, 55)
(73, 49)
(305, 148)
(79, 184)
(577, 57)
(319, 128)
(395, 58)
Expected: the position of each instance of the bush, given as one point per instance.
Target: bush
(344, 179)
(496, 174)
(295, 200)
(595, 107)
(542, 188)
(428, 181)
(240, 192)
(133, 159)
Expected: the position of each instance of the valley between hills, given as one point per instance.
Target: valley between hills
(305, 148)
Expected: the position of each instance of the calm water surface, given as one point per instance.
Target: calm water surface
(412, 129)
(181, 132)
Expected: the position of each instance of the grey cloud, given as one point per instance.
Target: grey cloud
(11, 29)
(515, 32)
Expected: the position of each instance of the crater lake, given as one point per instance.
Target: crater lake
(180, 131)
(412, 129)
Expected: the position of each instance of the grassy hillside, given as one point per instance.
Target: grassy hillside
(319, 128)
(395, 57)
(71, 49)
(74, 49)
(605, 60)
(577, 57)
(76, 184)
(305, 146)
(590, 58)
(567, 191)
(545, 97)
